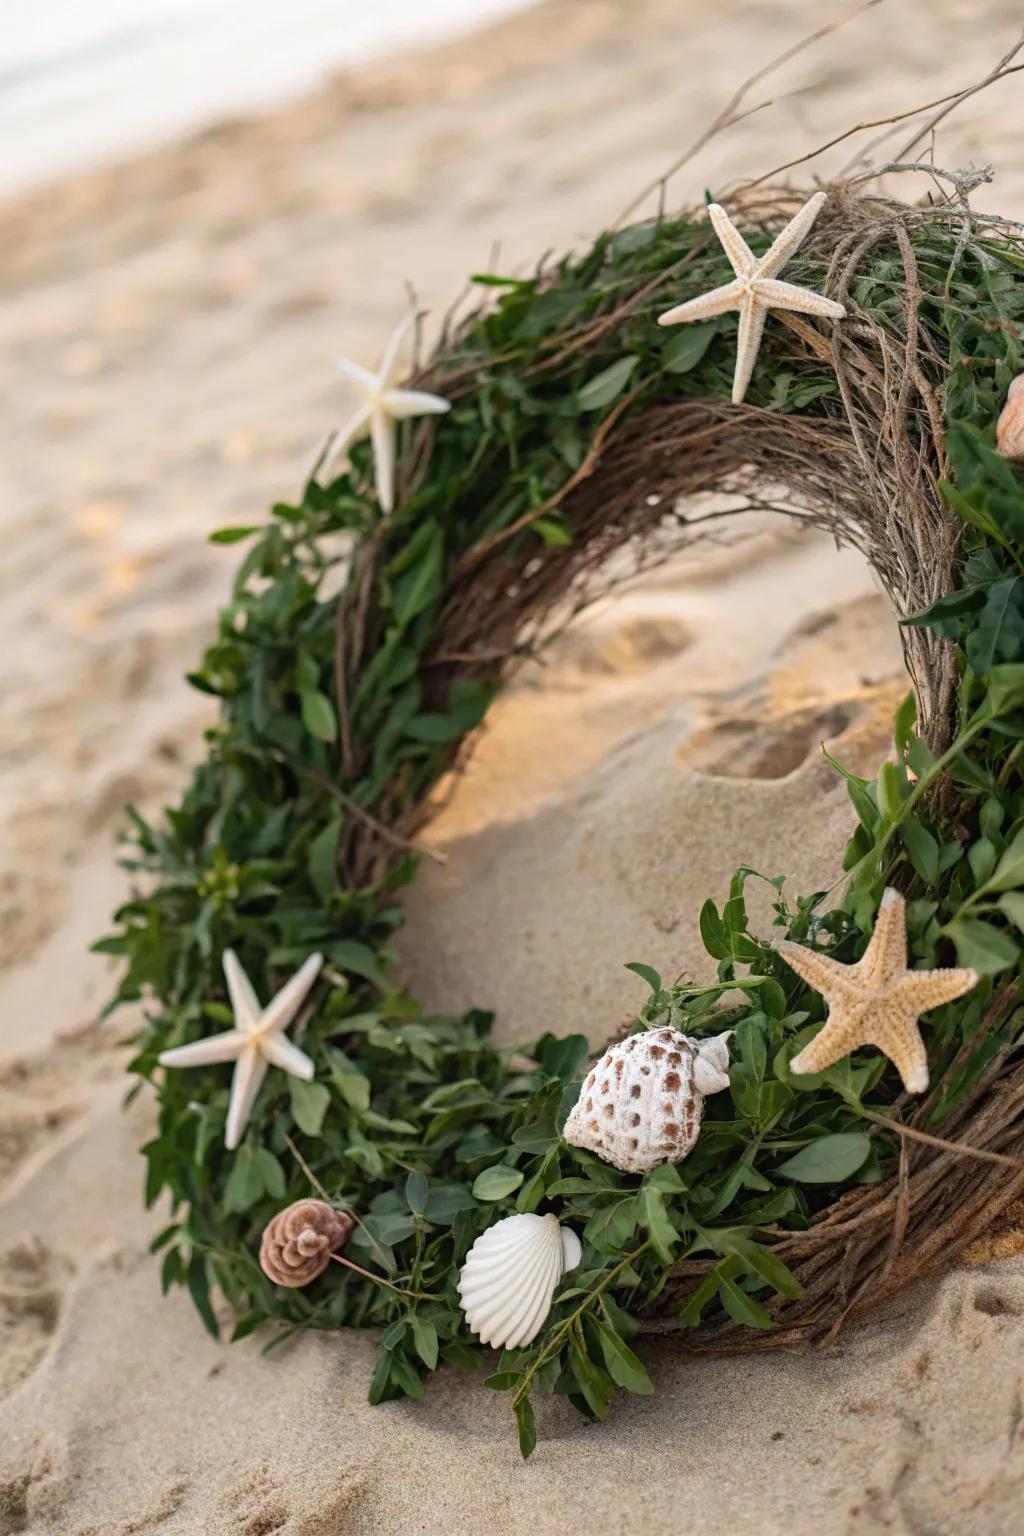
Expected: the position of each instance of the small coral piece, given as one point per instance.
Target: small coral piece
(298, 1242)
(1010, 426)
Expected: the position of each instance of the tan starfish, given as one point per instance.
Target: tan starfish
(754, 290)
(877, 1001)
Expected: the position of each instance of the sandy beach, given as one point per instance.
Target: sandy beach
(166, 332)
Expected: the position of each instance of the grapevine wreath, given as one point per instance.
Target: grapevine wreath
(386, 1169)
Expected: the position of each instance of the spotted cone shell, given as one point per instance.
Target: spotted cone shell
(510, 1276)
(1010, 426)
(298, 1242)
(641, 1105)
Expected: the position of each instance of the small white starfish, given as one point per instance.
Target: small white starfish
(755, 290)
(383, 407)
(256, 1042)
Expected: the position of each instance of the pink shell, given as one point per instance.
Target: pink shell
(1010, 426)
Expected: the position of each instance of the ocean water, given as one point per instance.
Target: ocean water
(83, 81)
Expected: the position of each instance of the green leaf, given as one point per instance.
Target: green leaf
(597, 1388)
(646, 973)
(997, 632)
(654, 1218)
(903, 721)
(424, 1336)
(350, 1083)
(318, 714)
(828, 1160)
(245, 1182)
(417, 1190)
(623, 1366)
(685, 349)
(561, 1057)
(1009, 872)
(271, 1173)
(1012, 906)
(555, 533)
(323, 872)
(310, 1102)
(350, 955)
(712, 932)
(741, 1307)
(234, 534)
(981, 946)
(417, 574)
(607, 385)
(405, 1375)
(381, 1380)
(890, 791)
(497, 1182)
(527, 1427)
(199, 1290)
(922, 847)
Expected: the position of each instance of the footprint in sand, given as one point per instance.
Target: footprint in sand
(37, 1490)
(753, 748)
(259, 1506)
(32, 1280)
(41, 1096)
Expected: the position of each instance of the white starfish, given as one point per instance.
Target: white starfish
(383, 407)
(755, 290)
(256, 1042)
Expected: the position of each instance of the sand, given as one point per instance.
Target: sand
(166, 328)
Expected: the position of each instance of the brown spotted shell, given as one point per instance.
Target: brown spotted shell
(298, 1242)
(639, 1106)
(1010, 426)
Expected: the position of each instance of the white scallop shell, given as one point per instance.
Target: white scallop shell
(641, 1105)
(510, 1275)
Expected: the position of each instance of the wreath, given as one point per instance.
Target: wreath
(447, 1192)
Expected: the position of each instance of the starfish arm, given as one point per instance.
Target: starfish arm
(789, 296)
(741, 257)
(748, 342)
(717, 302)
(284, 1053)
(790, 239)
(403, 403)
(382, 431)
(387, 364)
(204, 1053)
(250, 1070)
(279, 1013)
(358, 374)
(924, 990)
(349, 432)
(244, 1002)
(819, 971)
(885, 959)
(902, 1043)
(838, 1036)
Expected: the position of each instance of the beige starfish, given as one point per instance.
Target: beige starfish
(384, 405)
(256, 1042)
(877, 1001)
(755, 291)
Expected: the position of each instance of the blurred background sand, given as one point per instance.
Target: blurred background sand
(167, 324)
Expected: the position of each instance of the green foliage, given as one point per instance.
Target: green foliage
(418, 1124)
